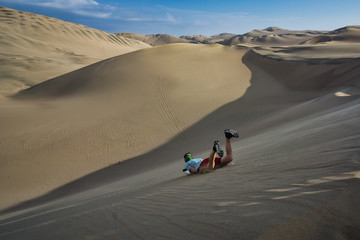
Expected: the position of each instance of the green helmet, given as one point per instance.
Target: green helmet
(188, 156)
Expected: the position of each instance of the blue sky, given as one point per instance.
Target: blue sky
(187, 17)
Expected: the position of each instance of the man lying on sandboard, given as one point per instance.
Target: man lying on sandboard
(199, 165)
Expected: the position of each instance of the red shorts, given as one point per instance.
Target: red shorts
(205, 162)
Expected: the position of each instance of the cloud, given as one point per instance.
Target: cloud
(144, 19)
(170, 18)
(94, 9)
(210, 22)
(78, 7)
(93, 14)
(66, 3)
(59, 3)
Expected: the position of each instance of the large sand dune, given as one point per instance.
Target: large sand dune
(97, 153)
(34, 48)
(111, 111)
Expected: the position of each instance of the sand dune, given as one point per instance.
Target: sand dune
(295, 172)
(273, 36)
(35, 48)
(153, 39)
(161, 39)
(218, 38)
(111, 111)
(196, 38)
(341, 44)
(97, 153)
(349, 34)
(332, 53)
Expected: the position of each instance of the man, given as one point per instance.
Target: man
(199, 165)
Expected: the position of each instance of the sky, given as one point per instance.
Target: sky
(191, 17)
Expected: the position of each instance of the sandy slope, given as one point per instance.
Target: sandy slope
(296, 166)
(34, 48)
(295, 173)
(113, 110)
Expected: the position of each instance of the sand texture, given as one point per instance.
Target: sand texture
(97, 153)
(113, 110)
(35, 48)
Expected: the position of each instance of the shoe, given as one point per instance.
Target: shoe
(231, 133)
(217, 149)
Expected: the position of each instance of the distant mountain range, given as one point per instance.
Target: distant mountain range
(274, 36)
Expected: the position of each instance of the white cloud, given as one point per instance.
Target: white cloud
(80, 7)
(170, 18)
(150, 19)
(67, 3)
(93, 14)
(206, 22)
(134, 19)
(59, 3)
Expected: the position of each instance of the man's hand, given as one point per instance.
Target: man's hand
(192, 170)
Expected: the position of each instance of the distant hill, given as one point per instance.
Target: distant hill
(273, 36)
(206, 40)
(161, 39)
(345, 34)
(153, 39)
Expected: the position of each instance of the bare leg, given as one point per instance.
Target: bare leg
(229, 157)
(211, 164)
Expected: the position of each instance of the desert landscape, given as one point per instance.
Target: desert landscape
(94, 127)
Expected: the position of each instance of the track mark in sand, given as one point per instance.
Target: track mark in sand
(103, 135)
(143, 213)
(130, 138)
(163, 109)
(28, 228)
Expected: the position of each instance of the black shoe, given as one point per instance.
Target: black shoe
(217, 149)
(231, 133)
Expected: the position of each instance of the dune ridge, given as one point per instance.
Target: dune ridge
(345, 34)
(35, 48)
(273, 36)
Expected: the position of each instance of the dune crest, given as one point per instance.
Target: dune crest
(272, 36)
(35, 48)
(348, 34)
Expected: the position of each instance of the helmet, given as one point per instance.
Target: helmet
(188, 156)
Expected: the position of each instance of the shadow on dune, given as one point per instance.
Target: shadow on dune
(268, 94)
